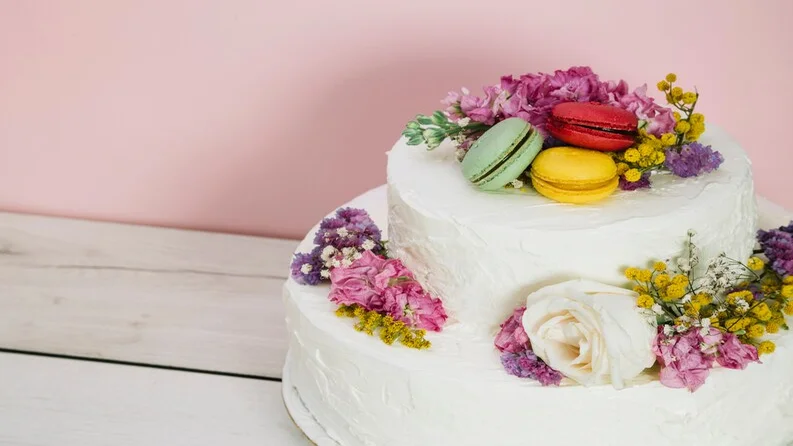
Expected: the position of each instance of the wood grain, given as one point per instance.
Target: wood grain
(61, 402)
(142, 294)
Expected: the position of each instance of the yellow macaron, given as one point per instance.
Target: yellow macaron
(574, 175)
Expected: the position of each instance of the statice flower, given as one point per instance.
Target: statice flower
(692, 160)
(307, 267)
(512, 337)
(526, 364)
(642, 183)
(777, 245)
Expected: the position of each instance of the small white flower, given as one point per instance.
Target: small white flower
(669, 330)
(343, 232)
(465, 91)
(335, 263)
(367, 244)
(517, 184)
(327, 253)
(464, 122)
(459, 154)
(348, 252)
(657, 309)
(686, 299)
(324, 274)
(683, 265)
(346, 262)
(692, 233)
(357, 255)
(306, 268)
(742, 305)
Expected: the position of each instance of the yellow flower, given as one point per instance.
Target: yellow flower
(632, 155)
(734, 296)
(662, 280)
(696, 118)
(668, 139)
(787, 291)
(645, 301)
(677, 93)
(755, 264)
(680, 279)
(738, 324)
(645, 149)
(766, 347)
(645, 275)
(755, 331)
(675, 291)
(641, 289)
(632, 273)
(689, 97)
(701, 299)
(633, 175)
(659, 157)
(622, 168)
(761, 311)
(772, 327)
(682, 126)
(788, 280)
(663, 86)
(671, 77)
(659, 266)
(788, 308)
(676, 115)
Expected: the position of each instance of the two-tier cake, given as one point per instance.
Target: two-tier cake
(550, 308)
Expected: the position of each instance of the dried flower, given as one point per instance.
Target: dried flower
(512, 337)
(777, 246)
(525, 364)
(692, 160)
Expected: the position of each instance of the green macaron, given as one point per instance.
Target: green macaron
(501, 154)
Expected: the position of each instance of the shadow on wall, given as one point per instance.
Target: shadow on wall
(341, 137)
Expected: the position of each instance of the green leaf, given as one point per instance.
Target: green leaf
(424, 120)
(409, 133)
(415, 140)
(413, 125)
(439, 119)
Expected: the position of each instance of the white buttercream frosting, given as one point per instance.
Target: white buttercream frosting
(364, 393)
(483, 253)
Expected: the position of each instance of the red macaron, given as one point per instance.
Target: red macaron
(593, 126)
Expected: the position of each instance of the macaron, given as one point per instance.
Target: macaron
(501, 154)
(593, 126)
(574, 175)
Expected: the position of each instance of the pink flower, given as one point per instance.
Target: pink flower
(361, 283)
(683, 364)
(483, 110)
(733, 354)
(659, 119)
(512, 337)
(409, 303)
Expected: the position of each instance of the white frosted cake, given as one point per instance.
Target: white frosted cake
(468, 266)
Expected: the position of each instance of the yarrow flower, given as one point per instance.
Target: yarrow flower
(339, 241)
(777, 245)
(525, 364)
(692, 160)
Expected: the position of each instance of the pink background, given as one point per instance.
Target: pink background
(256, 117)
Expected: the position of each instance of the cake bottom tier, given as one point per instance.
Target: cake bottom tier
(361, 392)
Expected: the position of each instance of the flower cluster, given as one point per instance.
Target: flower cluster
(339, 241)
(777, 246)
(531, 97)
(720, 316)
(517, 358)
(386, 286)
(389, 329)
(675, 150)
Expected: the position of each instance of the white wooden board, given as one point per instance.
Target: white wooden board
(61, 402)
(142, 294)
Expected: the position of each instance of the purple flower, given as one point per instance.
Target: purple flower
(683, 361)
(642, 183)
(734, 354)
(526, 364)
(692, 160)
(350, 227)
(512, 337)
(306, 267)
(407, 301)
(777, 245)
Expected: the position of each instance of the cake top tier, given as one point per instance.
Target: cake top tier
(431, 181)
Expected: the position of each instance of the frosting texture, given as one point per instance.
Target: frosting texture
(483, 253)
(364, 393)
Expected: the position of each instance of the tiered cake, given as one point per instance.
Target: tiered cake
(482, 254)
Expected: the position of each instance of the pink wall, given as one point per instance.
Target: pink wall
(246, 117)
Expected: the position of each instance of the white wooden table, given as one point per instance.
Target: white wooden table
(125, 335)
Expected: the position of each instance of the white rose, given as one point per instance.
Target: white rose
(590, 332)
